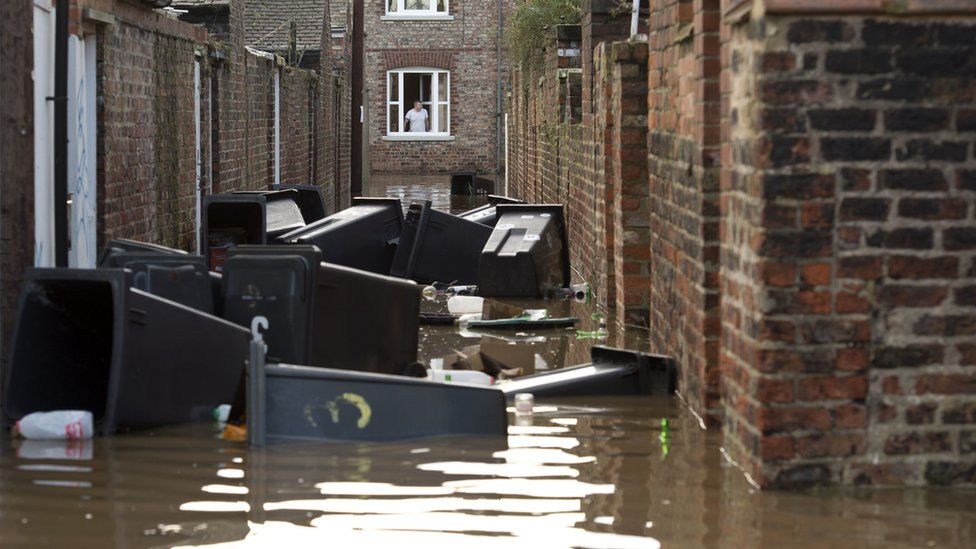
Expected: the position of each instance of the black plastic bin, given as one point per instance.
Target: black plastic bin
(611, 372)
(84, 341)
(184, 279)
(527, 254)
(439, 247)
(302, 403)
(118, 246)
(322, 314)
(487, 214)
(469, 184)
(311, 202)
(251, 217)
(363, 236)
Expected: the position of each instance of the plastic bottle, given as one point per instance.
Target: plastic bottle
(61, 424)
(524, 402)
(471, 377)
(429, 293)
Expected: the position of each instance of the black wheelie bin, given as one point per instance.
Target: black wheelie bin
(527, 254)
(438, 247)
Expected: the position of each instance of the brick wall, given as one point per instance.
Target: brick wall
(858, 164)
(467, 47)
(16, 157)
(810, 243)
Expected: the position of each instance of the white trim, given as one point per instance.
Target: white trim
(408, 136)
(402, 11)
(423, 17)
(434, 102)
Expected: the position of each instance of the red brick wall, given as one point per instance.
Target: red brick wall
(16, 157)
(683, 161)
(858, 170)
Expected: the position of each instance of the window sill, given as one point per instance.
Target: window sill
(426, 17)
(419, 137)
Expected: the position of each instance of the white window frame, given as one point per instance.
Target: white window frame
(402, 12)
(435, 101)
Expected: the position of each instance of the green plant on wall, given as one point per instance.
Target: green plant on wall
(527, 34)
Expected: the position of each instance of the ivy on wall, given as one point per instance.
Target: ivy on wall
(527, 35)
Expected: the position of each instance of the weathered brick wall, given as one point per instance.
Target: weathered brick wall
(259, 122)
(298, 120)
(16, 158)
(850, 250)
(467, 47)
(683, 162)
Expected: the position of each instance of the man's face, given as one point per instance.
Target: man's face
(417, 106)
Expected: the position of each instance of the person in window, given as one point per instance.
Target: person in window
(417, 118)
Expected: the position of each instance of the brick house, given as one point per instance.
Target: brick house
(447, 55)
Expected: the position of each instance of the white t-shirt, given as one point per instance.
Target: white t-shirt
(417, 120)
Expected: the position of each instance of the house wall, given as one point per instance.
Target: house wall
(467, 47)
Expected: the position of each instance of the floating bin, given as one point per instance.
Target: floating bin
(84, 341)
(322, 314)
(231, 220)
(311, 202)
(527, 254)
(486, 215)
(363, 236)
(612, 372)
(321, 403)
(118, 246)
(282, 212)
(184, 279)
(277, 282)
(439, 247)
(469, 184)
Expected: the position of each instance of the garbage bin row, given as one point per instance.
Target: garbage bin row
(508, 248)
(156, 335)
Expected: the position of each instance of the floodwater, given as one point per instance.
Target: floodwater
(593, 472)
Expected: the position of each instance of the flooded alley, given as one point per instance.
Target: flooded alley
(600, 472)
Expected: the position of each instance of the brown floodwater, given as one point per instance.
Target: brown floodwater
(581, 472)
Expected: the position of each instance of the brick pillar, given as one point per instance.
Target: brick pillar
(849, 245)
(628, 133)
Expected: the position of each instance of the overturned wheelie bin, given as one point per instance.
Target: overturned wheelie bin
(527, 254)
(184, 279)
(488, 214)
(119, 246)
(310, 200)
(611, 372)
(322, 314)
(251, 217)
(363, 236)
(438, 247)
(84, 340)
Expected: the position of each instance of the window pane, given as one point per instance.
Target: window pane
(417, 4)
(394, 122)
(391, 5)
(442, 87)
(442, 5)
(444, 115)
(394, 86)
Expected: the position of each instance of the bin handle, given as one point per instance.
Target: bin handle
(256, 323)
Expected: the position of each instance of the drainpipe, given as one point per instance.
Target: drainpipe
(498, 99)
(61, 134)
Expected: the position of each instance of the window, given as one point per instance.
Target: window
(416, 7)
(431, 87)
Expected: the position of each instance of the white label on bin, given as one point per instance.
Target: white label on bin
(532, 237)
(527, 216)
(506, 226)
(545, 215)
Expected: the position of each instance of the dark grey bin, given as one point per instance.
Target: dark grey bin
(469, 184)
(439, 247)
(527, 254)
(118, 246)
(302, 403)
(611, 372)
(363, 236)
(184, 279)
(322, 314)
(84, 341)
(311, 202)
(487, 214)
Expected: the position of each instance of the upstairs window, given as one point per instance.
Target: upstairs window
(431, 87)
(416, 7)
